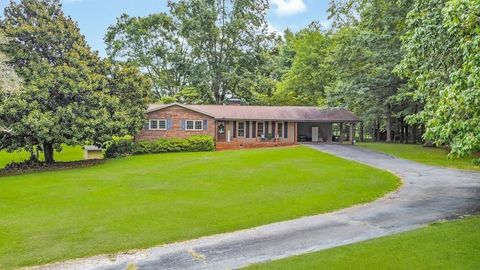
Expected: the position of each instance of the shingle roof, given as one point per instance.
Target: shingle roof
(285, 113)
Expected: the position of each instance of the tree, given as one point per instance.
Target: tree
(441, 63)
(10, 83)
(70, 96)
(367, 50)
(153, 44)
(304, 83)
(217, 46)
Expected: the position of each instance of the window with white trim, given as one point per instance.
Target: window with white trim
(194, 125)
(158, 124)
(241, 129)
(280, 130)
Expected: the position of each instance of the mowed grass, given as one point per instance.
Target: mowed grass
(142, 201)
(451, 245)
(68, 153)
(427, 155)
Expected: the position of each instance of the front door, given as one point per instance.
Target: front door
(314, 134)
(221, 130)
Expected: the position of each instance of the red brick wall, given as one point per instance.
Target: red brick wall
(176, 114)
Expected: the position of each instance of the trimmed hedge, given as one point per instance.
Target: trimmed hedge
(125, 146)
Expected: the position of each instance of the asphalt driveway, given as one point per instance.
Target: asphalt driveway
(427, 195)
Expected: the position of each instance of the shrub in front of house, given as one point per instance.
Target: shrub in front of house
(119, 146)
(476, 162)
(126, 146)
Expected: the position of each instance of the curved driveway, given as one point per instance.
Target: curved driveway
(428, 194)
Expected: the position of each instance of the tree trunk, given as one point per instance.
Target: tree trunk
(389, 128)
(414, 134)
(400, 130)
(406, 132)
(48, 153)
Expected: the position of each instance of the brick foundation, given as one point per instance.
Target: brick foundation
(243, 145)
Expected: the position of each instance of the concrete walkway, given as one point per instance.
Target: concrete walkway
(428, 194)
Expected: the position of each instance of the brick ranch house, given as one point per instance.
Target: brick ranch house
(238, 126)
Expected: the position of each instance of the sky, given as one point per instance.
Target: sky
(95, 16)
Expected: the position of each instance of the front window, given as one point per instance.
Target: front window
(156, 124)
(260, 130)
(280, 130)
(194, 125)
(241, 129)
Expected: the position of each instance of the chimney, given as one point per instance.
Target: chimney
(234, 102)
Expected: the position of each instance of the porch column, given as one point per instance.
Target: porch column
(361, 132)
(295, 138)
(352, 132)
(340, 138)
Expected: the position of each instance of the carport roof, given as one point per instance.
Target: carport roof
(284, 113)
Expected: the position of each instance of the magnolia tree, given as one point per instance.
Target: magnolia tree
(9, 83)
(70, 96)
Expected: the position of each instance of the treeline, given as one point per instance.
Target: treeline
(408, 68)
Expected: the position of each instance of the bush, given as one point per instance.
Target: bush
(126, 146)
(119, 146)
(476, 162)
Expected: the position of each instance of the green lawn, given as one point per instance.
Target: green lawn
(68, 154)
(451, 245)
(428, 155)
(143, 201)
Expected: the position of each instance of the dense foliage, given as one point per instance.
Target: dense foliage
(408, 68)
(125, 146)
(10, 83)
(70, 95)
(212, 48)
(442, 64)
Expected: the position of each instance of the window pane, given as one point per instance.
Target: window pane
(189, 124)
(280, 130)
(198, 125)
(260, 129)
(153, 124)
(162, 124)
(241, 129)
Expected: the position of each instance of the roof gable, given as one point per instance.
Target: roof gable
(157, 107)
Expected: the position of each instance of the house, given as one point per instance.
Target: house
(237, 126)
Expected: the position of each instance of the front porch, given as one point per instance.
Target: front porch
(238, 134)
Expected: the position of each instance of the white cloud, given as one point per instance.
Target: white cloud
(273, 30)
(289, 7)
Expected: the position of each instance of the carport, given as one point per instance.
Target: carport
(329, 126)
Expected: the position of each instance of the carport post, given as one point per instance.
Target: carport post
(340, 138)
(352, 132)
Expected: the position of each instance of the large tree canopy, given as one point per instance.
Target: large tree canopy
(218, 47)
(442, 63)
(367, 48)
(70, 96)
(309, 71)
